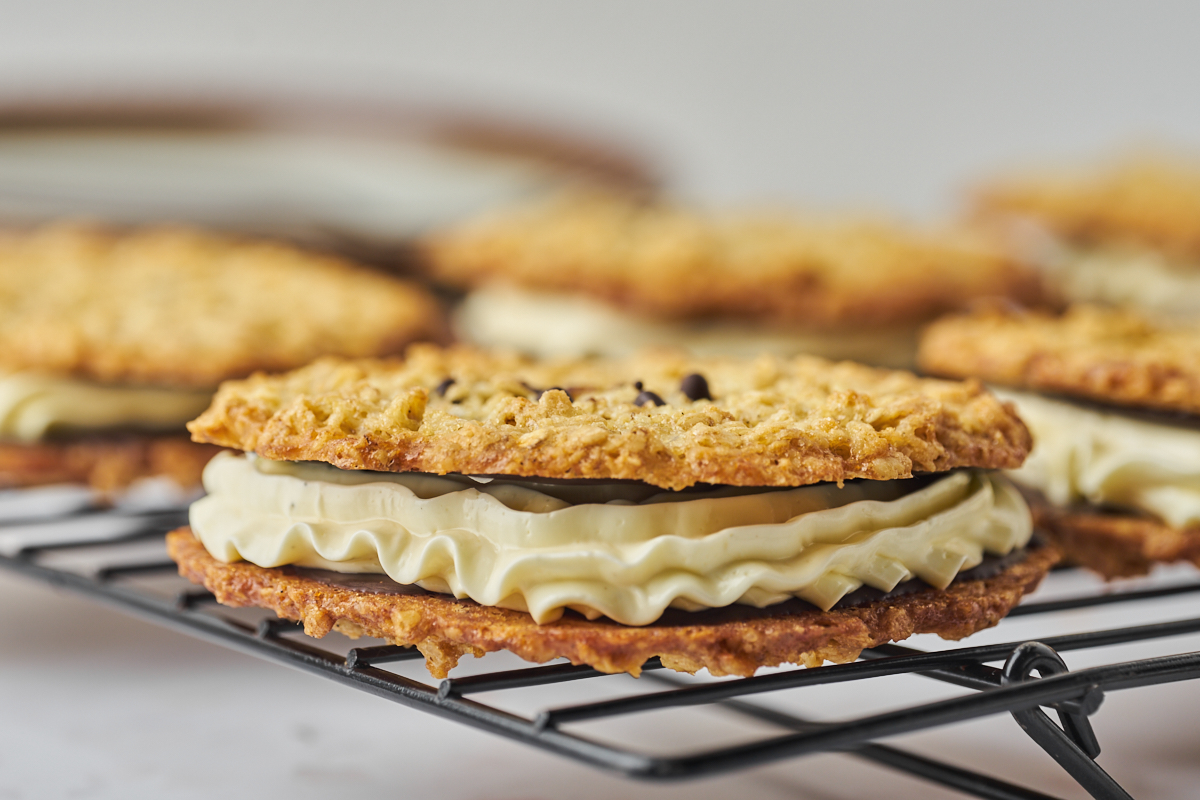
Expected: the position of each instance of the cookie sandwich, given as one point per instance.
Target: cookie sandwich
(110, 341)
(1113, 402)
(607, 274)
(1124, 233)
(717, 513)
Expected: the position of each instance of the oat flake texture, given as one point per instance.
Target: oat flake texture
(771, 422)
(779, 268)
(1106, 355)
(180, 307)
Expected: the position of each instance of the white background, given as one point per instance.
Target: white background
(844, 103)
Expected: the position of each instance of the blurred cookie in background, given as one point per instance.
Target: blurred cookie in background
(1125, 232)
(111, 340)
(607, 273)
(1113, 403)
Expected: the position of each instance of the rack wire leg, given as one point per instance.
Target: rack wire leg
(1074, 746)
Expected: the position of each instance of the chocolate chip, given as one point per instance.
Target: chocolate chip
(695, 387)
(443, 386)
(648, 397)
(637, 385)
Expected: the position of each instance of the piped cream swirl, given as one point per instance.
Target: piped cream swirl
(520, 318)
(1104, 458)
(1130, 276)
(514, 547)
(34, 405)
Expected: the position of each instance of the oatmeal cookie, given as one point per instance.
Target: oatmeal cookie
(1112, 543)
(1099, 354)
(769, 422)
(729, 641)
(1151, 201)
(779, 269)
(106, 462)
(178, 307)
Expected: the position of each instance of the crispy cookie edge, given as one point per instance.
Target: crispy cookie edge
(445, 629)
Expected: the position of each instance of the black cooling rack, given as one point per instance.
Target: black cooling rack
(107, 554)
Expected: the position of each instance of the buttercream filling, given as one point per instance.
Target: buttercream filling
(509, 545)
(1104, 458)
(1130, 276)
(34, 406)
(1109, 273)
(550, 325)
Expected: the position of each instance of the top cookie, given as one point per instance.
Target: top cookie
(666, 262)
(771, 422)
(1149, 201)
(1099, 354)
(177, 307)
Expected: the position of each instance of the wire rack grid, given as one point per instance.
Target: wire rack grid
(103, 553)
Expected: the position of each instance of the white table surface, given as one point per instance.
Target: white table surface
(97, 704)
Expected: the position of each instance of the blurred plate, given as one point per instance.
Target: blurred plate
(352, 179)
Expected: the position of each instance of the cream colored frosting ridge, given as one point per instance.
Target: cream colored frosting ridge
(552, 325)
(1112, 274)
(511, 546)
(1129, 276)
(1104, 458)
(33, 405)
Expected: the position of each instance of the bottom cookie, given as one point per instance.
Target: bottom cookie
(737, 640)
(107, 463)
(1113, 544)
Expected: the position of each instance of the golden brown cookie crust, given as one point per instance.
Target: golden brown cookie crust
(1148, 201)
(1113, 544)
(774, 421)
(178, 307)
(1099, 354)
(778, 269)
(107, 463)
(444, 629)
